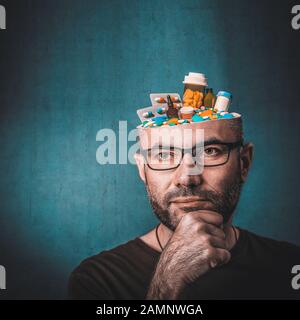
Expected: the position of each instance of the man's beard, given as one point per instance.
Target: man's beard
(222, 202)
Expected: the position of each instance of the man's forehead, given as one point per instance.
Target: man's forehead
(186, 136)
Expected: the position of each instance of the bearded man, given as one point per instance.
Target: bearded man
(195, 252)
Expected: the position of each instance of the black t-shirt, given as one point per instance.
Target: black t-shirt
(259, 268)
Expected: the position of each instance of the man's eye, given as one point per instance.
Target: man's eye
(165, 156)
(212, 151)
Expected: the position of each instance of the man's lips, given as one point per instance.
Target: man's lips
(188, 200)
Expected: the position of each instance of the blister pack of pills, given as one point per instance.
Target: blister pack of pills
(159, 106)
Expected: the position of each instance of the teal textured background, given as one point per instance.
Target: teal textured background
(71, 68)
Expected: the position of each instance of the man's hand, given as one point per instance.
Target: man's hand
(196, 246)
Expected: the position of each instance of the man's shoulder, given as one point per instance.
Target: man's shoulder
(272, 247)
(271, 242)
(106, 256)
(93, 276)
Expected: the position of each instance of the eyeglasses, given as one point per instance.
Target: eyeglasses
(210, 155)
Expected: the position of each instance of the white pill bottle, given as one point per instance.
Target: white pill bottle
(223, 100)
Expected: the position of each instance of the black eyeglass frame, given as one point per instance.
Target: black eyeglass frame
(230, 145)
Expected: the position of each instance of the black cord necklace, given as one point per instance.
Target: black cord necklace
(157, 238)
(156, 231)
(235, 235)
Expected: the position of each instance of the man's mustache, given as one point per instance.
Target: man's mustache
(211, 196)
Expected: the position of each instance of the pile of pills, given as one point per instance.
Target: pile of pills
(202, 114)
(198, 104)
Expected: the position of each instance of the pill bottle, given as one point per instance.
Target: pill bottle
(194, 87)
(210, 98)
(186, 112)
(172, 112)
(223, 100)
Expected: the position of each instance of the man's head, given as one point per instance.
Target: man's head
(180, 189)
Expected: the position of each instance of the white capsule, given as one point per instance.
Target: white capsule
(160, 100)
(223, 113)
(148, 114)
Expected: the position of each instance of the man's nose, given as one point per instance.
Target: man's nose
(188, 173)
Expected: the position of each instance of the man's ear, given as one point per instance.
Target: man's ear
(140, 162)
(246, 157)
